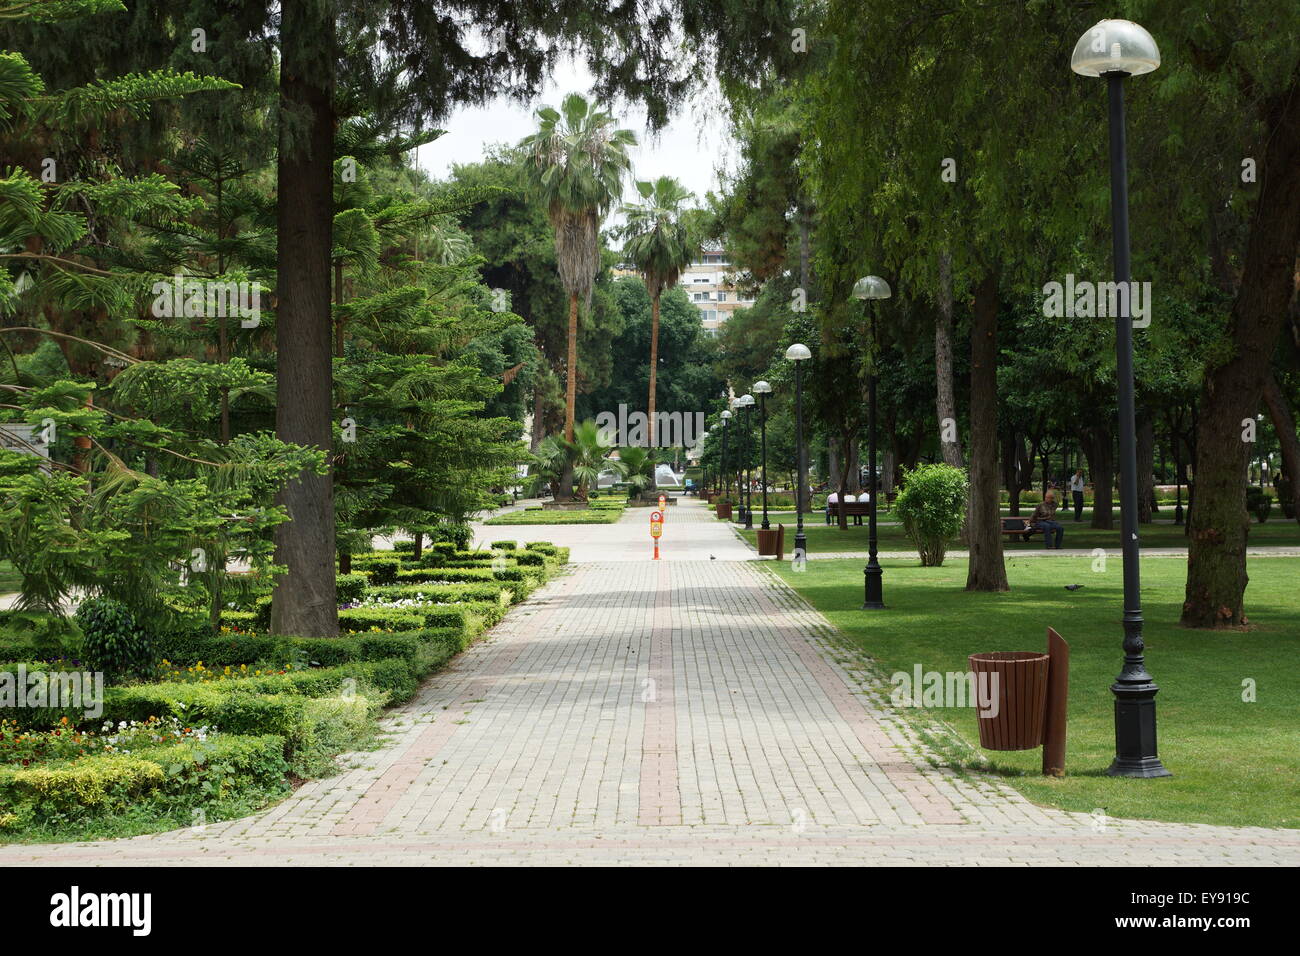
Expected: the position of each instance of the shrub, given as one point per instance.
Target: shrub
(112, 642)
(1259, 503)
(383, 618)
(186, 774)
(404, 546)
(380, 570)
(931, 506)
(505, 545)
(351, 586)
(530, 558)
(545, 547)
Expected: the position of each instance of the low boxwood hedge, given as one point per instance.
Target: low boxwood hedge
(189, 773)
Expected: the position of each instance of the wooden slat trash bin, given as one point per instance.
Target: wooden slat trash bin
(724, 510)
(767, 541)
(1021, 698)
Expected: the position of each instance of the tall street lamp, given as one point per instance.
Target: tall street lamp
(747, 404)
(1115, 49)
(722, 468)
(798, 353)
(738, 407)
(872, 287)
(763, 389)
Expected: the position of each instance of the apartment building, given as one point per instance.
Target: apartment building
(706, 283)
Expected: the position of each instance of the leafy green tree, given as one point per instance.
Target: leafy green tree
(576, 162)
(658, 240)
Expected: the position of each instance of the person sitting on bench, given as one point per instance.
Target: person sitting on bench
(831, 501)
(1044, 519)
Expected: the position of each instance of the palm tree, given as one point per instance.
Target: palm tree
(575, 162)
(660, 243)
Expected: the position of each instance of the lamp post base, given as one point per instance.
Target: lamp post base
(1135, 732)
(873, 588)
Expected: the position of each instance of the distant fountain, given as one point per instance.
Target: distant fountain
(665, 478)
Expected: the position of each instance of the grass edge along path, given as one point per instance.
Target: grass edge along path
(1234, 762)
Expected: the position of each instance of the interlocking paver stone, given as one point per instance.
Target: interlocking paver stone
(690, 711)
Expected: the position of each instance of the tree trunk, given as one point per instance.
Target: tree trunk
(1010, 477)
(1099, 449)
(986, 570)
(571, 369)
(418, 551)
(945, 395)
(539, 414)
(1146, 449)
(1231, 392)
(853, 465)
(833, 461)
(305, 600)
(654, 363)
(1284, 424)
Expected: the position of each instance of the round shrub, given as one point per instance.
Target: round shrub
(111, 640)
(1259, 503)
(932, 506)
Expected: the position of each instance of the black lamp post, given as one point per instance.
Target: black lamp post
(722, 468)
(763, 389)
(798, 353)
(1115, 49)
(738, 515)
(872, 287)
(746, 403)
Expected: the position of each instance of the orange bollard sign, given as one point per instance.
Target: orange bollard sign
(656, 529)
(663, 503)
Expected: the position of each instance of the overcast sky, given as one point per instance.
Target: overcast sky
(691, 148)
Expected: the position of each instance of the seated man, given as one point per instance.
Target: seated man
(1044, 519)
(831, 501)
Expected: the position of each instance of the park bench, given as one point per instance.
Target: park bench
(1022, 527)
(852, 509)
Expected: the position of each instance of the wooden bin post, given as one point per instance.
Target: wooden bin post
(1058, 693)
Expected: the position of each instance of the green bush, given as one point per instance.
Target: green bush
(1259, 503)
(931, 507)
(112, 642)
(188, 774)
(545, 547)
(404, 546)
(530, 558)
(442, 593)
(384, 618)
(351, 586)
(505, 545)
(379, 570)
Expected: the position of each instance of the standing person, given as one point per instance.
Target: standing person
(1044, 519)
(1076, 492)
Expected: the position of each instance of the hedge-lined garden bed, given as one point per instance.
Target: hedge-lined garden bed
(222, 723)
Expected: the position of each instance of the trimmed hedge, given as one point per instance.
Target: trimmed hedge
(192, 772)
(351, 587)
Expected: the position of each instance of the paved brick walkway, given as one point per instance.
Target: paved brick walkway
(685, 712)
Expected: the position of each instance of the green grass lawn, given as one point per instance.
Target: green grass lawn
(600, 514)
(1232, 762)
(823, 537)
